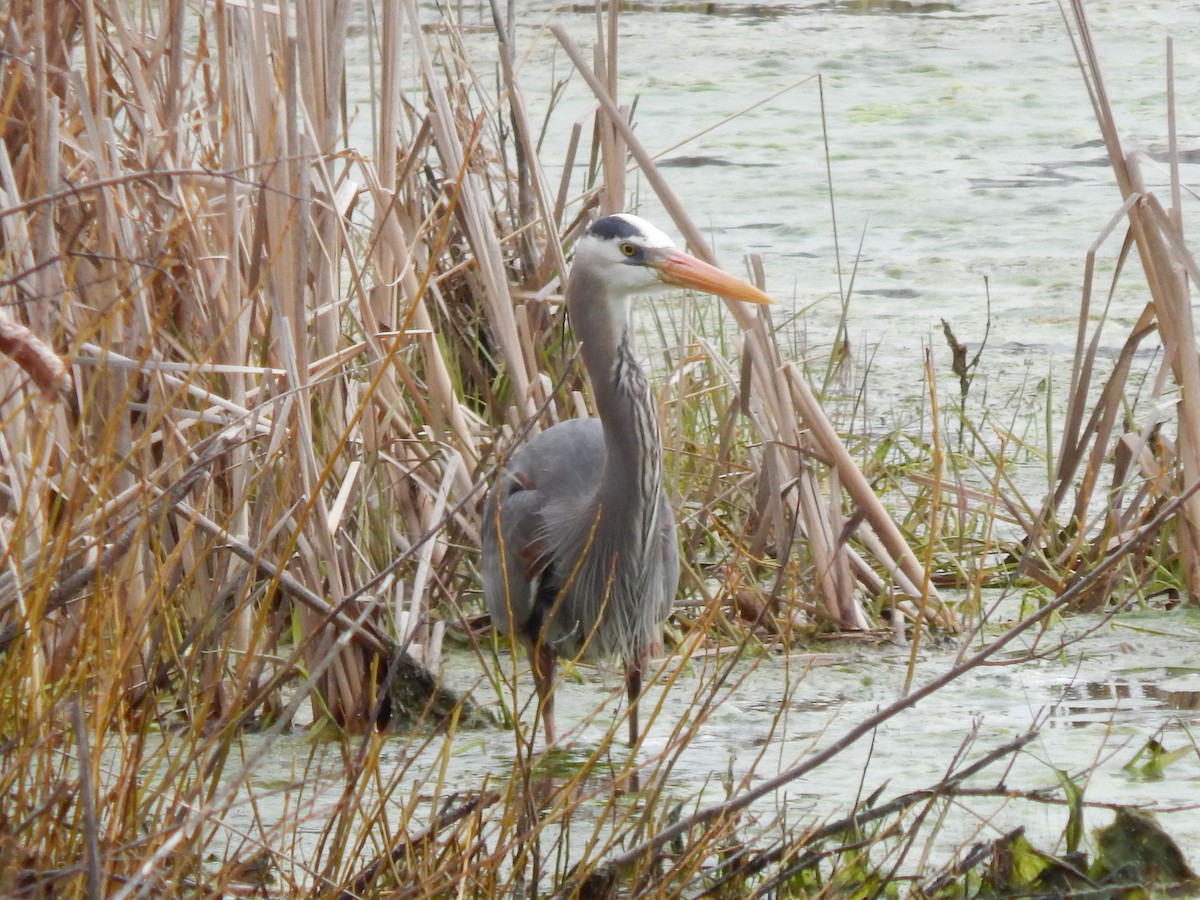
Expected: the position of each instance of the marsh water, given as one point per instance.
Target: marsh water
(968, 183)
(1101, 691)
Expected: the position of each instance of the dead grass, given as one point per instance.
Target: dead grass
(257, 375)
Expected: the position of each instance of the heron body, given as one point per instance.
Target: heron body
(579, 549)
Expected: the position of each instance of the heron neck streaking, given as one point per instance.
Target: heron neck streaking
(631, 484)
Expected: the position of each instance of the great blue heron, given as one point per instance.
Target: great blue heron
(579, 549)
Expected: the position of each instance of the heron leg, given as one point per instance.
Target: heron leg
(544, 662)
(633, 686)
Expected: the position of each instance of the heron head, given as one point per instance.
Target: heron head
(629, 255)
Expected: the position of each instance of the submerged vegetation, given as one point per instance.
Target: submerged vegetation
(255, 377)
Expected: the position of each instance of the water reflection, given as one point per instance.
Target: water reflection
(902, 7)
(695, 8)
(1122, 700)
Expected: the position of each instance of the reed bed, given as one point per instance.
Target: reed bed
(261, 360)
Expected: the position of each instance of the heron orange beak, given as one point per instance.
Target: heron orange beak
(679, 268)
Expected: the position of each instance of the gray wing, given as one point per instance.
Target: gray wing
(555, 472)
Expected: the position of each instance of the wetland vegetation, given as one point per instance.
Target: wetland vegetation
(265, 336)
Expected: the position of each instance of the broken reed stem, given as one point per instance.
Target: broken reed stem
(91, 830)
(937, 461)
(1072, 443)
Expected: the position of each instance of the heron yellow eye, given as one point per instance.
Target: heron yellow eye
(628, 249)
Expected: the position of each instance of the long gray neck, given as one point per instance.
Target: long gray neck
(632, 480)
